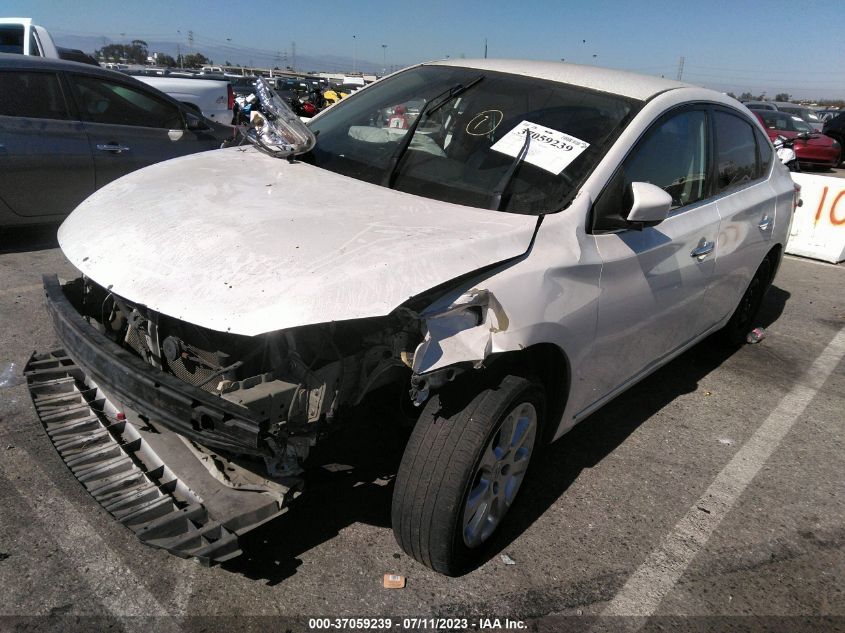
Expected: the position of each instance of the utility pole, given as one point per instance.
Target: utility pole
(293, 56)
(485, 48)
(354, 38)
(384, 59)
(681, 68)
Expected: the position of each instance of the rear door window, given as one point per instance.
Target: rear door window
(32, 95)
(736, 151)
(764, 147)
(103, 101)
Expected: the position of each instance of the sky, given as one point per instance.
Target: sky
(773, 46)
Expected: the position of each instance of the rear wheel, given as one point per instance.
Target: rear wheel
(461, 471)
(743, 317)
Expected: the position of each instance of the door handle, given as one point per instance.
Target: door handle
(115, 148)
(703, 249)
(766, 223)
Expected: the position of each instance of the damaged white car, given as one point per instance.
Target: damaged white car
(514, 243)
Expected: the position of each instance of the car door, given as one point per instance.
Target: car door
(46, 168)
(747, 205)
(130, 127)
(655, 279)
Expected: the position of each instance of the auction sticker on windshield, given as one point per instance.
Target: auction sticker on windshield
(548, 149)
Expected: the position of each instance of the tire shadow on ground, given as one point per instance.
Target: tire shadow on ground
(29, 238)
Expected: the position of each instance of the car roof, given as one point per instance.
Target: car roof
(16, 21)
(32, 62)
(13, 61)
(618, 82)
(778, 113)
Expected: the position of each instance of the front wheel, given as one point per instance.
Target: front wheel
(461, 471)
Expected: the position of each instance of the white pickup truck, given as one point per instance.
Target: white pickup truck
(21, 36)
(215, 99)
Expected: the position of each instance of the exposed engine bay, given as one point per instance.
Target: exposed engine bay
(296, 381)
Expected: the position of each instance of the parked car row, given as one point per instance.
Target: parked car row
(811, 148)
(803, 112)
(814, 147)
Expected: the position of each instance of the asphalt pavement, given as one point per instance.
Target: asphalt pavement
(711, 496)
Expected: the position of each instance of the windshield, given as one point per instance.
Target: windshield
(804, 113)
(783, 122)
(463, 146)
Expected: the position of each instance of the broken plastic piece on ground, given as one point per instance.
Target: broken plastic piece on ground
(10, 376)
(507, 560)
(337, 468)
(394, 581)
(756, 335)
(726, 441)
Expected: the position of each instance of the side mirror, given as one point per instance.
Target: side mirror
(195, 123)
(651, 204)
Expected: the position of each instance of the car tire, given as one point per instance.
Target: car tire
(839, 139)
(462, 468)
(841, 142)
(742, 320)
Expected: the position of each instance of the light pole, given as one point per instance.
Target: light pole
(384, 59)
(179, 49)
(354, 38)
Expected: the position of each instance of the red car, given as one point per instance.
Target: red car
(817, 151)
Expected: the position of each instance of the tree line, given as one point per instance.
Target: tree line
(785, 96)
(137, 52)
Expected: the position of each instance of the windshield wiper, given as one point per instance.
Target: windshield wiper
(435, 104)
(504, 181)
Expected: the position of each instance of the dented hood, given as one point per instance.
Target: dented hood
(237, 241)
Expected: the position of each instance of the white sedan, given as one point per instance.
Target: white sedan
(514, 243)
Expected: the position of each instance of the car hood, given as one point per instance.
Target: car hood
(237, 241)
(815, 141)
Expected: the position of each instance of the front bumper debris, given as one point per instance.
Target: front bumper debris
(172, 403)
(150, 480)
